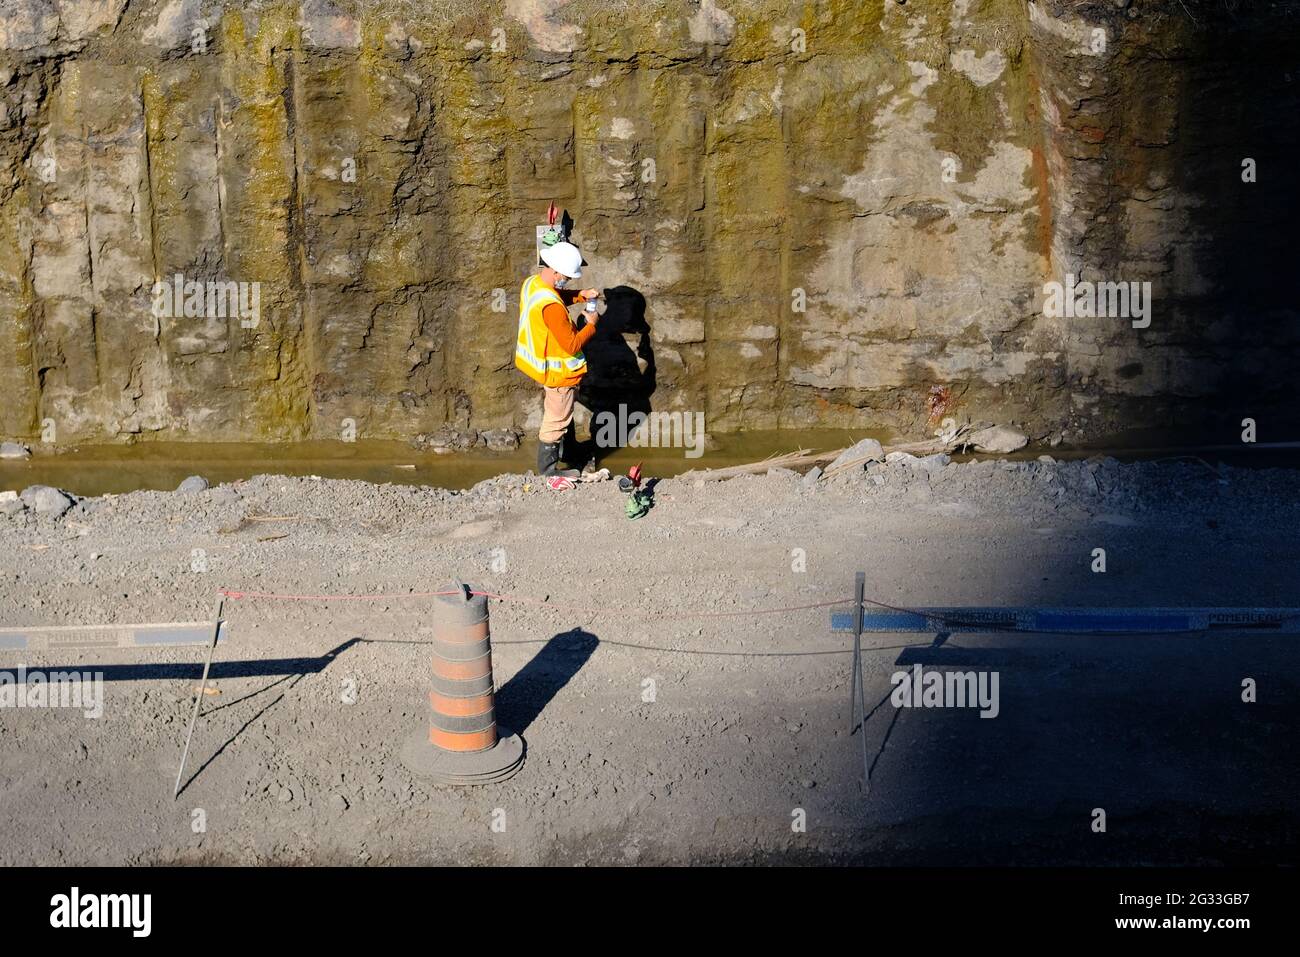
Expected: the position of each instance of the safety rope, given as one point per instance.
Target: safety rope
(229, 593)
(536, 602)
(633, 615)
(584, 609)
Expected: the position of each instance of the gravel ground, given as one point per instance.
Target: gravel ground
(655, 735)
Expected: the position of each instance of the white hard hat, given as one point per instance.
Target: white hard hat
(564, 258)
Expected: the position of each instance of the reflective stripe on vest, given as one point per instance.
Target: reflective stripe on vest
(536, 353)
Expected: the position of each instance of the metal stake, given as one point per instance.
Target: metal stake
(859, 680)
(198, 700)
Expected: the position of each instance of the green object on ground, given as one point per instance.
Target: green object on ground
(638, 503)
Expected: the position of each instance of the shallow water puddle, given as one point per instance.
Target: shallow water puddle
(97, 469)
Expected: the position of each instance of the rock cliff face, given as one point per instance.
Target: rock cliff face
(813, 212)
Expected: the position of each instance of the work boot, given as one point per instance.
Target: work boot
(577, 454)
(570, 447)
(548, 457)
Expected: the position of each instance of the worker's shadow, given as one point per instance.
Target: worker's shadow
(620, 378)
(521, 699)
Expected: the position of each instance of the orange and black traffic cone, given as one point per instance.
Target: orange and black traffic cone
(463, 744)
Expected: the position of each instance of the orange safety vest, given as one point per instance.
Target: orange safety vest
(536, 353)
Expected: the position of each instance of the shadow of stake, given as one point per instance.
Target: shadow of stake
(292, 670)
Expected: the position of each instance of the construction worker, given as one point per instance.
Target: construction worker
(549, 350)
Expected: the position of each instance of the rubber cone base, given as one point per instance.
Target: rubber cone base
(458, 769)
